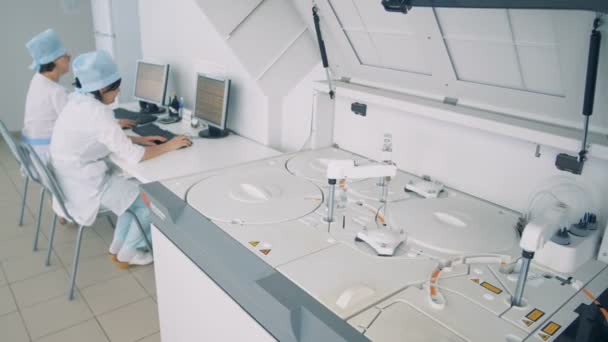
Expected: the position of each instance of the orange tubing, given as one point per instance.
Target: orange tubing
(596, 302)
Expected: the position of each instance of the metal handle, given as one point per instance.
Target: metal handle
(103, 34)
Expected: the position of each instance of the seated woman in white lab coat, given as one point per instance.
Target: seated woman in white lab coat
(46, 97)
(85, 134)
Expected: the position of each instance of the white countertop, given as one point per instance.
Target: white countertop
(203, 155)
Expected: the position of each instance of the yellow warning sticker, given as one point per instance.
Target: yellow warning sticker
(265, 251)
(544, 337)
(491, 287)
(535, 315)
(254, 243)
(551, 328)
(475, 280)
(527, 322)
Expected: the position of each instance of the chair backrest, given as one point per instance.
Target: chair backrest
(47, 177)
(8, 138)
(18, 152)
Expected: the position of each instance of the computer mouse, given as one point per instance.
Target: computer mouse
(157, 142)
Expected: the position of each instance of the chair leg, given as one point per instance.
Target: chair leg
(39, 218)
(23, 197)
(110, 221)
(51, 238)
(141, 229)
(75, 263)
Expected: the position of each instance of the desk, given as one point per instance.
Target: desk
(203, 155)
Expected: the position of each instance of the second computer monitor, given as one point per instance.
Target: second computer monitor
(211, 104)
(151, 85)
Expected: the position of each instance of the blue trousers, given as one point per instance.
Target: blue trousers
(127, 230)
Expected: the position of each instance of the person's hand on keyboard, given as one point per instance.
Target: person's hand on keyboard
(149, 140)
(178, 142)
(126, 123)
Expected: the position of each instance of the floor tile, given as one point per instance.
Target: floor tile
(12, 328)
(7, 302)
(132, 322)
(11, 230)
(10, 213)
(13, 171)
(105, 232)
(40, 288)
(3, 280)
(55, 315)
(95, 270)
(64, 233)
(89, 329)
(9, 191)
(14, 174)
(26, 267)
(113, 294)
(92, 246)
(21, 246)
(33, 303)
(151, 338)
(7, 161)
(145, 277)
(69, 231)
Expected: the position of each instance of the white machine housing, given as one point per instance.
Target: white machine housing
(346, 169)
(540, 229)
(384, 240)
(603, 252)
(566, 259)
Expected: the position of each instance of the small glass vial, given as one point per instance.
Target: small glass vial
(387, 148)
(180, 111)
(387, 158)
(342, 200)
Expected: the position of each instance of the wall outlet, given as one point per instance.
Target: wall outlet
(359, 108)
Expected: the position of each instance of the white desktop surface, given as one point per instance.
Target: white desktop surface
(203, 155)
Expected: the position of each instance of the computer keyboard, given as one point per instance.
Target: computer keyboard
(151, 129)
(139, 118)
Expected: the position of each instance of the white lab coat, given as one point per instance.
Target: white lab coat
(85, 134)
(45, 100)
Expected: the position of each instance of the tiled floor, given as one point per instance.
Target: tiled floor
(110, 304)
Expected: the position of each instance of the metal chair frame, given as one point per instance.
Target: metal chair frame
(30, 173)
(49, 181)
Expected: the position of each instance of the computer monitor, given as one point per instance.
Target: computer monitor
(151, 86)
(211, 104)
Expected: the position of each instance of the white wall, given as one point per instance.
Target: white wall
(125, 40)
(20, 20)
(177, 32)
(523, 63)
(297, 111)
(497, 168)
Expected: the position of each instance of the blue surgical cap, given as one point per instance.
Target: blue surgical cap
(95, 70)
(45, 48)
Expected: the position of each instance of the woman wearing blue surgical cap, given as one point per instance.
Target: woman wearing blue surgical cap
(45, 97)
(85, 134)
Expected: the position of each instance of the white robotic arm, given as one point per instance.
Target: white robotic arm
(385, 241)
(536, 233)
(343, 169)
(540, 229)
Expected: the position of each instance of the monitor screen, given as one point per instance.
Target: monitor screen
(151, 82)
(212, 100)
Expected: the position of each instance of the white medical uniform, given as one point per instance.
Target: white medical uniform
(85, 135)
(45, 100)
